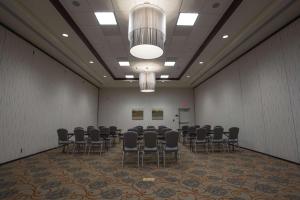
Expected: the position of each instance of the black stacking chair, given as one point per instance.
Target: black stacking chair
(113, 133)
(217, 138)
(104, 133)
(201, 138)
(171, 145)
(95, 140)
(130, 145)
(233, 137)
(150, 145)
(184, 133)
(80, 141)
(191, 136)
(63, 138)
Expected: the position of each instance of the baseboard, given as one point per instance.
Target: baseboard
(270, 155)
(30, 155)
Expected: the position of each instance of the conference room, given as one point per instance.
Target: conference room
(150, 99)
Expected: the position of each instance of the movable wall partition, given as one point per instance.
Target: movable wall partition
(260, 93)
(37, 96)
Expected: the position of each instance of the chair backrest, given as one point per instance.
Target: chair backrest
(171, 138)
(184, 128)
(197, 126)
(218, 133)
(101, 127)
(218, 126)
(112, 130)
(94, 135)
(150, 139)
(90, 127)
(130, 140)
(192, 130)
(150, 127)
(163, 131)
(79, 135)
(161, 127)
(207, 126)
(62, 134)
(233, 133)
(78, 128)
(201, 134)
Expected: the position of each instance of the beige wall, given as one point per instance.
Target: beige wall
(116, 106)
(38, 96)
(260, 93)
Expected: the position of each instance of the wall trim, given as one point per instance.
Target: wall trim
(55, 59)
(246, 52)
(269, 155)
(30, 155)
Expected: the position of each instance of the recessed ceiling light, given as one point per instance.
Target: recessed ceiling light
(91, 62)
(187, 19)
(124, 63)
(104, 76)
(225, 36)
(170, 63)
(129, 76)
(188, 76)
(201, 62)
(106, 18)
(164, 76)
(65, 35)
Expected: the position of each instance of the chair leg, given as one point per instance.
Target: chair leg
(138, 160)
(74, 148)
(101, 145)
(90, 146)
(158, 159)
(142, 159)
(164, 155)
(123, 156)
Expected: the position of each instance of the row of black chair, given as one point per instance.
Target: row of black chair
(194, 135)
(150, 142)
(91, 138)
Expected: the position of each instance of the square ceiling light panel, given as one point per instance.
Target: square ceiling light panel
(106, 18)
(187, 19)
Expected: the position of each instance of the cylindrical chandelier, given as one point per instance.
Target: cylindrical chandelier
(147, 31)
(147, 81)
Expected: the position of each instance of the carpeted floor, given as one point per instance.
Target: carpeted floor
(220, 175)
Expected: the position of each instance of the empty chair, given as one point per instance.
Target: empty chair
(207, 126)
(63, 138)
(201, 138)
(101, 127)
(184, 133)
(217, 138)
(150, 145)
(191, 135)
(197, 126)
(171, 145)
(130, 145)
(78, 128)
(104, 133)
(113, 133)
(233, 137)
(80, 142)
(95, 140)
(161, 127)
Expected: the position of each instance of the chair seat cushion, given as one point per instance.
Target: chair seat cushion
(130, 149)
(150, 149)
(171, 148)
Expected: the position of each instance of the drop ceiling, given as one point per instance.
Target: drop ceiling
(42, 23)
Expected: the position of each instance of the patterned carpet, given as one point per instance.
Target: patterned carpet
(220, 175)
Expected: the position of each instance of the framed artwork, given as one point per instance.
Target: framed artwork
(137, 114)
(157, 114)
